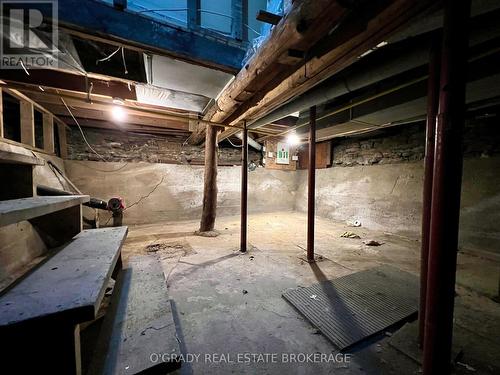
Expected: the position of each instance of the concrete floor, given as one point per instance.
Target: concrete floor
(227, 303)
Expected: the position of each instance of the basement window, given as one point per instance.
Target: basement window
(11, 117)
(38, 119)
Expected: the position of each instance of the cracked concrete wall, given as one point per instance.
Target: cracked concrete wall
(180, 189)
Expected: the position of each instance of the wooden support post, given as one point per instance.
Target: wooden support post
(63, 145)
(244, 189)
(432, 110)
(48, 133)
(210, 183)
(27, 123)
(1, 113)
(446, 189)
(311, 185)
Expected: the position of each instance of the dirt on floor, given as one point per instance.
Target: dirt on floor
(228, 304)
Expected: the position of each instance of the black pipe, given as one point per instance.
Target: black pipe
(43, 190)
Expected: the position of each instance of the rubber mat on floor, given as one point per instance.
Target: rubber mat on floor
(354, 307)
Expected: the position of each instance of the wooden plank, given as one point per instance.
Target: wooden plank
(8, 155)
(27, 123)
(70, 285)
(323, 156)
(139, 322)
(268, 17)
(306, 23)
(16, 210)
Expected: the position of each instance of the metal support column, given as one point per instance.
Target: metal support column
(244, 189)
(432, 110)
(311, 184)
(447, 181)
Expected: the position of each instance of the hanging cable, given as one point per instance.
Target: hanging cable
(81, 131)
(108, 57)
(234, 144)
(22, 64)
(124, 63)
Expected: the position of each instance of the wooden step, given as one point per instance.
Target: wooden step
(70, 285)
(8, 155)
(41, 313)
(16, 210)
(139, 322)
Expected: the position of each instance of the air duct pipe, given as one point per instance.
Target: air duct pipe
(251, 142)
(367, 75)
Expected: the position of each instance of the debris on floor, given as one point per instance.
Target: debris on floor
(169, 250)
(372, 243)
(210, 233)
(353, 223)
(349, 235)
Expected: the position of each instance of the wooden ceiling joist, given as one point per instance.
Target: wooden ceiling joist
(358, 39)
(302, 26)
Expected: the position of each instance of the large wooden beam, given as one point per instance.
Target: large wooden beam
(347, 49)
(105, 114)
(210, 182)
(303, 26)
(68, 81)
(146, 33)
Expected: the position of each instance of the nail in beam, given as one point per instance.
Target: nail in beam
(244, 189)
(446, 190)
(311, 184)
(432, 110)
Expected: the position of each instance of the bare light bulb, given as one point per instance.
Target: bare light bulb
(293, 139)
(118, 113)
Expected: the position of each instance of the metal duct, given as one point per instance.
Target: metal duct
(251, 142)
(369, 74)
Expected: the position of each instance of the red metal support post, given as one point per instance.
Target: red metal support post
(447, 181)
(432, 110)
(311, 186)
(244, 189)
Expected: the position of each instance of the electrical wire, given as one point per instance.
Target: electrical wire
(125, 64)
(108, 57)
(81, 131)
(234, 144)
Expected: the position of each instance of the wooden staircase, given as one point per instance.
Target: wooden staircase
(41, 313)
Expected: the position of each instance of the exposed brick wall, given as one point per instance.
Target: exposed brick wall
(407, 143)
(125, 146)
(270, 162)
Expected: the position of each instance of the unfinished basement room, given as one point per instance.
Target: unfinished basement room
(250, 187)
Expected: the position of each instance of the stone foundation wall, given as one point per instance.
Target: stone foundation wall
(407, 144)
(116, 146)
